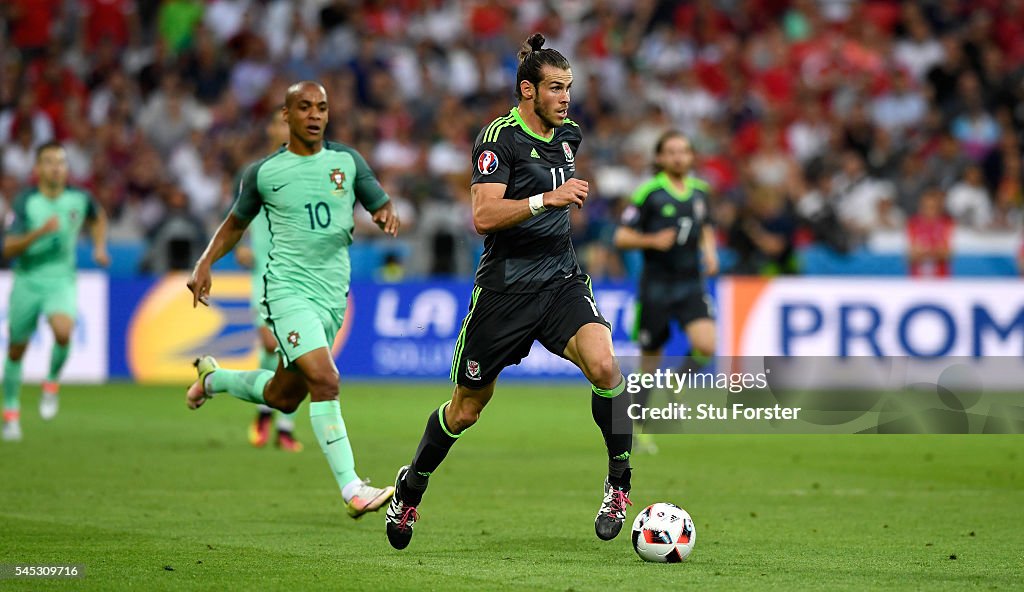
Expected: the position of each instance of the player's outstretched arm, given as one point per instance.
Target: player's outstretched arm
(491, 212)
(98, 233)
(225, 239)
(628, 238)
(16, 244)
(386, 218)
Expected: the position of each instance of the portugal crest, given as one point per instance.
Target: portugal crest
(293, 337)
(338, 178)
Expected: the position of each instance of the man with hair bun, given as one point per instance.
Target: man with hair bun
(529, 287)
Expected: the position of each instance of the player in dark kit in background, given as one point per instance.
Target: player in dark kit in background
(668, 219)
(528, 286)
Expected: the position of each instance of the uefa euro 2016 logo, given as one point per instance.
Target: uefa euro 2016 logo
(487, 163)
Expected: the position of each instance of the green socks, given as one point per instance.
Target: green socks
(12, 385)
(246, 385)
(58, 356)
(330, 432)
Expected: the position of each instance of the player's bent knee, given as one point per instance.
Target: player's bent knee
(323, 386)
(604, 372)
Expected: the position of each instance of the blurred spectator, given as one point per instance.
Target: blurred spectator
(968, 201)
(770, 165)
(930, 236)
(1007, 213)
(225, 18)
(170, 116)
(79, 150)
(19, 156)
(33, 25)
(252, 73)
(26, 113)
(947, 164)
(944, 75)
(685, 101)
(976, 130)
(207, 187)
(864, 204)
(178, 240)
(762, 235)
(910, 183)
(205, 69)
(177, 21)
(111, 21)
(899, 108)
(807, 136)
(918, 51)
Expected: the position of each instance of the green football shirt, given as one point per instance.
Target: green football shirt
(53, 254)
(308, 203)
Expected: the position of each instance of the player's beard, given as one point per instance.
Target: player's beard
(678, 171)
(550, 118)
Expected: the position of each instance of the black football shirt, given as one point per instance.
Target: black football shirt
(528, 257)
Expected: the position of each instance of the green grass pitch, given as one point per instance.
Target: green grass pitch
(151, 496)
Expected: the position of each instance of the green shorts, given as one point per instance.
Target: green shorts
(31, 297)
(301, 326)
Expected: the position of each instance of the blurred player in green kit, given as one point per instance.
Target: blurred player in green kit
(254, 256)
(306, 191)
(47, 221)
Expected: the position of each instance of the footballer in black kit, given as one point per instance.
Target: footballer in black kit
(671, 286)
(668, 218)
(529, 287)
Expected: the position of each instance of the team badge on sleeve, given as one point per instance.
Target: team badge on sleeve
(487, 163)
(473, 369)
(630, 214)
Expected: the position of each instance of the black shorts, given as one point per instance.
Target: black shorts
(658, 306)
(500, 328)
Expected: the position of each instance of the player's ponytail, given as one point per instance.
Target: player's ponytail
(532, 58)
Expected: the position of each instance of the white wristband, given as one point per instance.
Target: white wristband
(537, 204)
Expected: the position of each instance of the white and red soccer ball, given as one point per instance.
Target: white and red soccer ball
(663, 533)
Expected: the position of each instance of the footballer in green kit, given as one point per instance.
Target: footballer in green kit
(306, 192)
(255, 257)
(47, 221)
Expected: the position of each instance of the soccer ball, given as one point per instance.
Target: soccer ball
(663, 533)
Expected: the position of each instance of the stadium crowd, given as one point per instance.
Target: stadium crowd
(821, 121)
